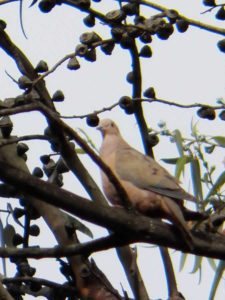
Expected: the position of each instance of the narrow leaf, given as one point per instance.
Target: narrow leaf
(216, 280)
(79, 151)
(10, 209)
(88, 139)
(218, 184)
(171, 161)
(179, 142)
(33, 2)
(196, 178)
(8, 234)
(182, 261)
(2, 243)
(212, 263)
(197, 264)
(194, 129)
(77, 225)
(180, 166)
(220, 140)
(84, 229)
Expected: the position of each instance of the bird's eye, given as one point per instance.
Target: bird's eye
(112, 124)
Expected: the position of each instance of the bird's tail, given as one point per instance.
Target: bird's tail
(174, 213)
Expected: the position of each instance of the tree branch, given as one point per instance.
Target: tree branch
(140, 228)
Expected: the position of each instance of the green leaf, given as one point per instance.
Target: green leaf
(212, 263)
(218, 184)
(84, 229)
(77, 225)
(179, 141)
(194, 129)
(10, 209)
(183, 259)
(88, 139)
(220, 140)
(181, 162)
(216, 280)
(171, 161)
(2, 243)
(196, 179)
(79, 151)
(9, 233)
(198, 266)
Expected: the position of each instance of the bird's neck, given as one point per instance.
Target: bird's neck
(110, 144)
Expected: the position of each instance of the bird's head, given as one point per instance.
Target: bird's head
(107, 126)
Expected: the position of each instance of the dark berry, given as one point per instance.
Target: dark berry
(125, 102)
(152, 140)
(45, 159)
(165, 31)
(34, 230)
(41, 67)
(92, 120)
(145, 38)
(220, 15)
(3, 24)
(90, 55)
(145, 51)
(46, 5)
(206, 113)
(130, 109)
(182, 25)
(126, 41)
(89, 20)
(107, 48)
(117, 33)
(18, 213)
(62, 167)
(89, 38)
(130, 77)
(130, 9)
(17, 239)
(221, 45)
(149, 93)
(24, 82)
(37, 172)
(73, 64)
(116, 16)
(209, 2)
(58, 96)
(172, 15)
(22, 148)
(222, 115)
(6, 126)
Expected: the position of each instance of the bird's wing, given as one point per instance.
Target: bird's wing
(146, 173)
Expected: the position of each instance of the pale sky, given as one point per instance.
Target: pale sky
(187, 68)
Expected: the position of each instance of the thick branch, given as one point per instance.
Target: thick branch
(195, 23)
(139, 227)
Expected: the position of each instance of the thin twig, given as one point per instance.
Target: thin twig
(41, 281)
(192, 22)
(31, 137)
(162, 101)
(212, 8)
(61, 61)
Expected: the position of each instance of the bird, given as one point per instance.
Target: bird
(151, 189)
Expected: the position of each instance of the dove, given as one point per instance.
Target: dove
(151, 189)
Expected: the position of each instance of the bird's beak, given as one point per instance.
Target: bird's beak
(99, 127)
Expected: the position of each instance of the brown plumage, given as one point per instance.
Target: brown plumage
(150, 188)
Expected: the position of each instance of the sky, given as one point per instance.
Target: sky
(187, 68)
